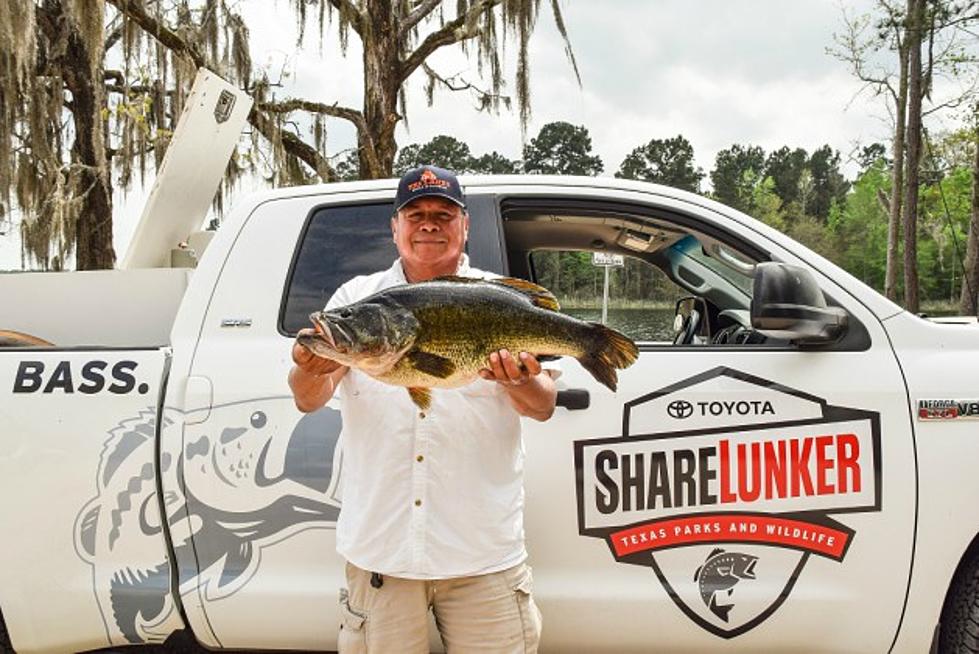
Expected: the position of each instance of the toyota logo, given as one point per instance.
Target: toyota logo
(679, 409)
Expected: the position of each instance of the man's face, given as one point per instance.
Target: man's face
(430, 232)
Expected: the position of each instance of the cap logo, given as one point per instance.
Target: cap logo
(427, 180)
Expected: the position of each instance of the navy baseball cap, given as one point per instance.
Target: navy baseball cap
(428, 181)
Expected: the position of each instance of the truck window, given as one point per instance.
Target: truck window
(641, 301)
(338, 243)
(666, 257)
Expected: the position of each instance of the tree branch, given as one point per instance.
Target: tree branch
(462, 28)
(424, 8)
(487, 99)
(334, 110)
(295, 146)
(349, 11)
(298, 104)
(135, 10)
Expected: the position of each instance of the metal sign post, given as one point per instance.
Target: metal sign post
(606, 261)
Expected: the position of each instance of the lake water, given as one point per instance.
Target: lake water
(638, 324)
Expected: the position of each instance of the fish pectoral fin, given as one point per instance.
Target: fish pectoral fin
(540, 296)
(431, 364)
(421, 396)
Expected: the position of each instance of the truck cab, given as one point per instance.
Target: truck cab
(756, 483)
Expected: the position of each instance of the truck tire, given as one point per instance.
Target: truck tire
(959, 632)
(10, 338)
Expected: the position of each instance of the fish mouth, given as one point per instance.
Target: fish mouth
(332, 331)
(323, 329)
(749, 570)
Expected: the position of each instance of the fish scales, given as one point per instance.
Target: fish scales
(465, 327)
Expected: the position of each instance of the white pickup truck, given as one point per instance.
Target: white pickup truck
(793, 468)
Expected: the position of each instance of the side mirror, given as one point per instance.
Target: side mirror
(787, 303)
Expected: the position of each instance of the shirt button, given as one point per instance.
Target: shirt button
(418, 502)
(419, 458)
(421, 414)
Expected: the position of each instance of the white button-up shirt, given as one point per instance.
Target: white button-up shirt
(427, 494)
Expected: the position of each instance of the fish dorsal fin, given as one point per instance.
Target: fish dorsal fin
(539, 295)
(457, 279)
(715, 552)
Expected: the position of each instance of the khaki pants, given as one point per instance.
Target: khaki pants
(484, 613)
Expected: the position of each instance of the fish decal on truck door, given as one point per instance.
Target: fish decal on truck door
(119, 531)
(718, 576)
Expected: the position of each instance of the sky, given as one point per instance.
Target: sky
(719, 72)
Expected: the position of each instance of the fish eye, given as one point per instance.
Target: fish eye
(258, 420)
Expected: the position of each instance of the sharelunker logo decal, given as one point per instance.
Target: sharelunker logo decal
(725, 484)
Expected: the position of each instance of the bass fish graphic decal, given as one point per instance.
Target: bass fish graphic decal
(217, 536)
(718, 576)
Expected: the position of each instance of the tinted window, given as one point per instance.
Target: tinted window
(339, 243)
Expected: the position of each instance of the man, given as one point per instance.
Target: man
(432, 514)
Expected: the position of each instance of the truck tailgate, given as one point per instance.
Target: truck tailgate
(80, 519)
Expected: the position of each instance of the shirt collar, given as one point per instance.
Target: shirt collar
(398, 271)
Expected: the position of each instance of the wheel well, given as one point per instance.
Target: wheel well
(970, 554)
(5, 645)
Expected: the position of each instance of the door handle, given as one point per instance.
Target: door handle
(574, 399)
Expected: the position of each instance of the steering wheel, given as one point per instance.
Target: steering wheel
(686, 332)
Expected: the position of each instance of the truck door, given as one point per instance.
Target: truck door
(736, 492)
(262, 479)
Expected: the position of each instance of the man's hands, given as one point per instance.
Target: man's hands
(531, 393)
(313, 379)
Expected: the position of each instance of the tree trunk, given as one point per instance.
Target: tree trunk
(897, 176)
(381, 84)
(81, 68)
(916, 11)
(970, 278)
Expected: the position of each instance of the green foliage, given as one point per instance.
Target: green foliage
(494, 163)
(443, 151)
(736, 171)
(828, 184)
(664, 161)
(785, 167)
(451, 153)
(561, 149)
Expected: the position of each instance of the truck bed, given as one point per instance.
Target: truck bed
(107, 308)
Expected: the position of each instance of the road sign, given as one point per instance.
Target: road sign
(606, 260)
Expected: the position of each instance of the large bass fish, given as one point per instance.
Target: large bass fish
(440, 333)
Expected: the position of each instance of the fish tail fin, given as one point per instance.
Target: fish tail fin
(720, 610)
(610, 350)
